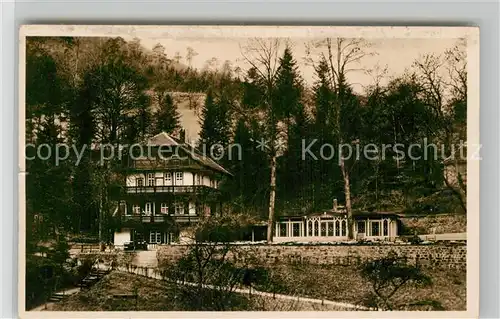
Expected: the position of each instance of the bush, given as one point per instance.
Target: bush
(44, 275)
(387, 275)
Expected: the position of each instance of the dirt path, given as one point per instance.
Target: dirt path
(48, 306)
(150, 273)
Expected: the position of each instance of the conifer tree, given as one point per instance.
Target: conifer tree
(215, 125)
(167, 118)
(290, 110)
(287, 95)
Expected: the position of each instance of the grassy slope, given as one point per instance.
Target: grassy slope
(345, 284)
(155, 295)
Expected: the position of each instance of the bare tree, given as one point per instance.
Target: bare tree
(177, 57)
(191, 53)
(443, 79)
(213, 263)
(342, 56)
(263, 57)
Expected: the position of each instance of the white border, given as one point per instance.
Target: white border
(472, 35)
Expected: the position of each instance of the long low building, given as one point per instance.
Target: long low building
(332, 226)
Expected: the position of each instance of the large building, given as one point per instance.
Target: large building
(169, 186)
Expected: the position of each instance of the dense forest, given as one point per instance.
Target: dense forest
(92, 91)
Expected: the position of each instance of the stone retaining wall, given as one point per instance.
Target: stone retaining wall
(433, 256)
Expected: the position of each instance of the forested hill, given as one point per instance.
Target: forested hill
(107, 90)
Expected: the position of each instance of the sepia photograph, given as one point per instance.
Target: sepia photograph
(253, 169)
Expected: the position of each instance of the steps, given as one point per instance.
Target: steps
(57, 297)
(94, 276)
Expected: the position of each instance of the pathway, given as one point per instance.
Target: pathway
(153, 274)
(56, 297)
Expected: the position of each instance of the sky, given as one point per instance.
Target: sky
(396, 54)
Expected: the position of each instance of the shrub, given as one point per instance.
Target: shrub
(387, 275)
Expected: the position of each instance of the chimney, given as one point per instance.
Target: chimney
(334, 204)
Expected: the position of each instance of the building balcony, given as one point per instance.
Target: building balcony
(177, 189)
(161, 218)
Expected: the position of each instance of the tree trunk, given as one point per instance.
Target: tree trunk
(272, 196)
(456, 186)
(347, 192)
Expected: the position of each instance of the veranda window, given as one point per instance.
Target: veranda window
(316, 228)
(361, 227)
(164, 208)
(283, 232)
(148, 209)
(330, 229)
(179, 208)
(136, 209)
(168, 178)
(155, 237)
(323, 229)
(179, 177)
(296, 230)
(151, 179)
(375, 228)
(139, 182)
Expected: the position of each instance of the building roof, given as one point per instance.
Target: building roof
(374, 214)
(163, 139)
(332, 213)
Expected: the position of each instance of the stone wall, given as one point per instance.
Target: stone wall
(433, 256)
(439, 224)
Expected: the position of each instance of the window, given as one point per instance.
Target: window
(123, 208)
(179, 208)
(375, 228)
(386, 228)
(164, 208)
(179, 177)
(168, 177)
(323, 229)
(330, 229)
(283, 231)
(344, 230)
(316, 228)
(337, 228)
(155, 237)
(309, 228)
(139, 182)
(136, 209)
(148, 209)
(151, 179)
(361, 227)
(296, 230)
(198, 179)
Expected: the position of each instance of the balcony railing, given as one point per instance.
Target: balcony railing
(161, 218)
(168, 189)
